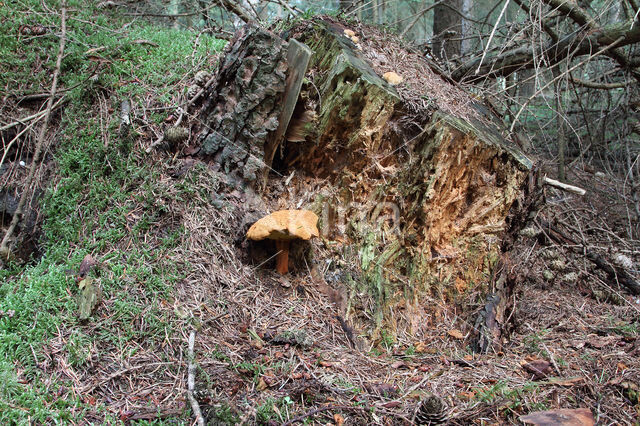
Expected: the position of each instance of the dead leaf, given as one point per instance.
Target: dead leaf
(262, 385)
(540, 368)
(338, 419)
(392, 404)
(560, 417)
(456, 334)
(87, 264)
(425, 348)
(398, 364)
(467, 395)
(599, 342)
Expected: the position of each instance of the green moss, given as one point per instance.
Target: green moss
(101, 183)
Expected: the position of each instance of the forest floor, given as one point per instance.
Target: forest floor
(162, 228)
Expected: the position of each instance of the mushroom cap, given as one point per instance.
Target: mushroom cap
(285, 225)
(392, 78)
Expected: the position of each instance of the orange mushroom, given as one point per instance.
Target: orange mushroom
(282, 227)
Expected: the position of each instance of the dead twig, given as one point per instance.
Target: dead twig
(4, 245)
(315, 411)
(191, 381)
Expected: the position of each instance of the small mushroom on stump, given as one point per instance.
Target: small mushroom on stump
(282, 227)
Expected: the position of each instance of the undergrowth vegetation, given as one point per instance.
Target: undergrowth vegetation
(106, 201)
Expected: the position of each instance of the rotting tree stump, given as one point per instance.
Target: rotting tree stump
(245, 102)
(413, 199)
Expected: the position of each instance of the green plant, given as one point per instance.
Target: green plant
(225, 414)
(106, 199)
(532, 341)
(510, 399)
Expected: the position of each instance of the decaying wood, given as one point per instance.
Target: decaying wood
(298, 56)
(492, 318)
(425, 192)
(245, 103)
(492, 321)
(616, 273)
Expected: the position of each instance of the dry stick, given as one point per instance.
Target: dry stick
(37, 116)
(4, 250)
(564, 186)
(598, 53)
(191, 381)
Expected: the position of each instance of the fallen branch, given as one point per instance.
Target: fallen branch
(564, 186)
(35, 116)
(4, 245)
(615, 273)
(191, 382)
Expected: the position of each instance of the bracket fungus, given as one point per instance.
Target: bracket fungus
(283, 226)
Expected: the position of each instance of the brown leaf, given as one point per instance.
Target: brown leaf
(398, 364)
(384, 389)
(262, 385)
(456, 334)
(599, 342)
(338, 419)
(466, 395)
(392, 404)
(87, 264)
(561, 417)
(540, 368)
(424, 347)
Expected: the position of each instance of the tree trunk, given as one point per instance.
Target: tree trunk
(447, 29)
(467, 42)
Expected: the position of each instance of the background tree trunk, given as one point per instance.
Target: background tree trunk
(447, 29)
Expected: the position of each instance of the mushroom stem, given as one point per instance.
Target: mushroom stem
(282, 258)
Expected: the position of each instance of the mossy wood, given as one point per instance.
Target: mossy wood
(414, 202)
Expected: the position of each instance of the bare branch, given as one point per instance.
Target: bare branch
(573, 45)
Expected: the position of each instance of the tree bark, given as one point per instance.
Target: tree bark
(244, 104)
